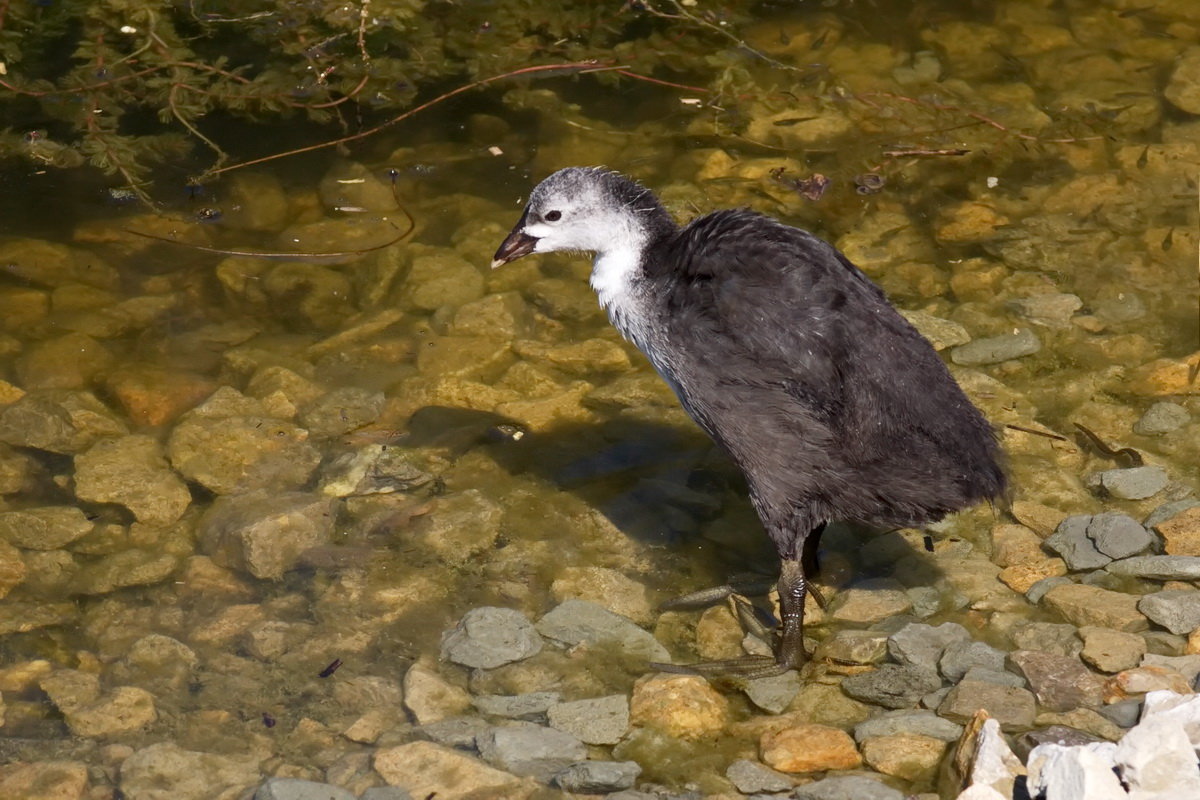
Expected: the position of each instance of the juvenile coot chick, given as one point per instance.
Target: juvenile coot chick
(785, 354)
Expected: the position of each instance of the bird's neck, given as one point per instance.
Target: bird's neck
(621, 260)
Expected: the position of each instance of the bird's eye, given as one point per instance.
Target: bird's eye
(553, 216)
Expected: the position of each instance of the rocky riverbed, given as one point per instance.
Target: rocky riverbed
(388, 524)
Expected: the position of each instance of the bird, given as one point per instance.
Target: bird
(788, 356)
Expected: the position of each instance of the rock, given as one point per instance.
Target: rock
(21, 617)
(684, 706)
(1183, 87)
(373, 469)
(1091, 605)
(265, 533)
(1048, 637)
(1133, 483)
(44, 780)
(1188, 666)
(908, 756)
(870, 601)
(847, 787)
(773, 694)
(491, 637)
(808, 748)
(166, 771)
(90, 713)
(599, 720)
(297, 789)
(1014, 708)
(962, 656)
(598, 776)
(45, 528)
(749, 777)
(1177, 610)
(526, 748)
(917, 722)
(131, 471)
(440, 278)
(456, 732)
(1111, 651)
(425, 769)
(72, 361)
(12, 568)
(827, 704)
(429, 697)
(853, 647)
(941, 333)
(1159, 568)
(1060, 683)
(1053, 309)
(1071, 541)
(577, 358)
(152, 396)
(1162, 417)
(458, 527)
(892, 685)
(605, 587)
(1055, 734)
(1181, 533)
(995, 349)
(17, 470)
(1118, 535)
(1155, 758)
(575, 622)
(1041, 519)
(1023, 577)
(1085, 771)
(982, 758)
(921, 645)
(533, 706)
(58, 420)
(157, 662)
(994, 676)
(1015, 544)
(342, 410)
(1140, 680)
(1038, 589)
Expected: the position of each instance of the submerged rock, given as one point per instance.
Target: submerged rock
(131, 471)
(598, 720)
(847, 787)
(45, 528)
(525, 748)
(995, 349)
(58, 420)
(598, 776)
(809, 748)
(684, 706)
(491, 637)
(92, 713)
(1134, 483)
(166, 771)
(426, 769)
(575, 622)
(265, 533)
(893, 685)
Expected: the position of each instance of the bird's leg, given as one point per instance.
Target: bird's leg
(810, 565)
(790, 652)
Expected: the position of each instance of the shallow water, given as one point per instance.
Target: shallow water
(981, 169)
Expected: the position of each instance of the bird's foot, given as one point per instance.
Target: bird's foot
(729, 670)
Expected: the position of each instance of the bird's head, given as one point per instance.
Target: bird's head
(583, 209)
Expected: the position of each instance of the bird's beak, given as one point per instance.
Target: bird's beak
(519, 243)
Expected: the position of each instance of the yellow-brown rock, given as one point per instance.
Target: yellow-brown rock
(685, 706)
(809, 748)
(1138, 681)
(1020, 577)
(908, 756)
(1181, 533)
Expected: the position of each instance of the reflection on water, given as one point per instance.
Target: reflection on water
(222, 474)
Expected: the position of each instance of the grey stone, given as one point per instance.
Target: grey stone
(58, 420)
(1049, 637)
(373, 469)
(1014, 708)
(926, 601)
(1134, 483)
(1055, 734)
(1162, 643)
(994, 676)
(457, 732)
(519, 706)
(44, 528)
(1035, 593)
(1168, 510)
(491, 637)
(342, 410)
(1060, 683)
(1159, 568)
(921, 645)
(575, 622)
(941, 333)
(750, 776)
(598, 776)
(297, 789)
(892, 685)
(995, 349)
(1162, 417)
(526, 749)
(961, 656)
(1123, 713)
(597, 720)
(847, 787)
(775, 693)
(264, 533)
(385, 793)
(1071, 541)
(1053, 309)
(1118, 535)
(921, 722)
(1156, 759)
(1177, 610)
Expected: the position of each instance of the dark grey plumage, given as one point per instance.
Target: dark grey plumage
(783, 352)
